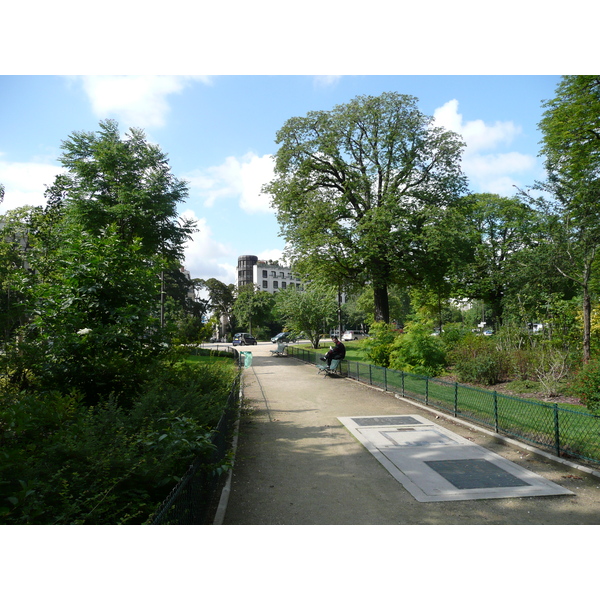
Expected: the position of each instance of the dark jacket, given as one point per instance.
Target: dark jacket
(339, 351)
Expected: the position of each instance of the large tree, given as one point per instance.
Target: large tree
(571, 146)
(97, 253)
(351, 188)
(502, 229)
(252, 306)
(221, 296)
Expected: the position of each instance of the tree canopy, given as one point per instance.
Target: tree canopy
(89, 283)
(125, 181)
(311, 310)
(501, 229)
(354, 186)
(571, 145)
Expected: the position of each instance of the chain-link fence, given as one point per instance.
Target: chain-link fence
(547, 425)
(193, 501)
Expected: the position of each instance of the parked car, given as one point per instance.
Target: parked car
(284, 336)
(244, 339)
(353, 335)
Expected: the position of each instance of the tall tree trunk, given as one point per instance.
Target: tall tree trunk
(587, 321)
(587, 311)
(382, 304)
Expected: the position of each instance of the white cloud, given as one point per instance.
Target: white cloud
(25, 183)
(136, 100)
(476, 134)
(271, 255)
(490, 165)
(205, 257)
(493, 172)
(235, 178)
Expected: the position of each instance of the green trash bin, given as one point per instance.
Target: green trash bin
(246, 359)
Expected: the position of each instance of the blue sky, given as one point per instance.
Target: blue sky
(219, 132)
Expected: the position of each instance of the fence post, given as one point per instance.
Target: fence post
(370, 375)
(426, 390)
(495, 411)
(556, 431)
(402, 382)
(455, 398)
(385, 379)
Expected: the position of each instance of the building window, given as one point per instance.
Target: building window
(265, 274)
(273, 274)
(283, 285)
(282, 275)
(265, 284)
(275, 285)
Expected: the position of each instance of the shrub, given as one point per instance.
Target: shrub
(523, 364)
(417, 351)
(62, 462)
(477, 360)
(378, 345)
(453, 334)
(586, 386)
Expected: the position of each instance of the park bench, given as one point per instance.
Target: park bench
(280, 351)
(331, 369)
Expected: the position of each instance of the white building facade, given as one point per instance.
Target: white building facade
(268, 276)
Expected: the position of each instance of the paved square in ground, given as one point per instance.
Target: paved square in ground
(436, 465)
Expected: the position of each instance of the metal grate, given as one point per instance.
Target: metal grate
(473, 473)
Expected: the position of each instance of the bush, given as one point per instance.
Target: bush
(477, 360)
(417, 351)
(453, 334)
(62, 462)
(586, 386)
(378, 345)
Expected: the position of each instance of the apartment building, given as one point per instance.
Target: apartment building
(268, 275)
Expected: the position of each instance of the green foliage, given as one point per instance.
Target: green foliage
(453, 334)
(123, 181)
(82, 284)
(417, 351)
(97, 421)
(586, 386)
(252, 307)
(311, 311)
(354, 187)
(476, 359)
(95, 325)
(572, 160)
(378, 346)
(66, 463)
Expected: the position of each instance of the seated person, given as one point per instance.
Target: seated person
(337, 352)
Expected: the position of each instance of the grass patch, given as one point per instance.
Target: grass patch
(354, 351)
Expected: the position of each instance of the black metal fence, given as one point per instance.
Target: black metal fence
(193, 501)
(550, 426)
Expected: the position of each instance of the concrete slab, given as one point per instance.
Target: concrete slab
(437, 465)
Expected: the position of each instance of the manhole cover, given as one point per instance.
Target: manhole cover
(471, 473)
(385, 421)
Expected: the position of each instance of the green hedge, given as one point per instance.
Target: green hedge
(62, 462)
